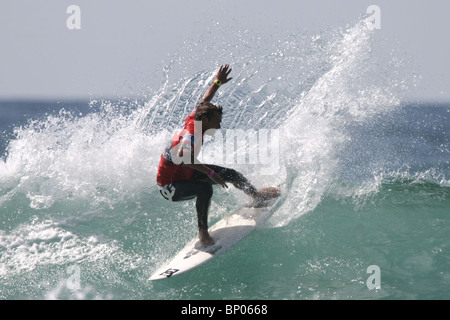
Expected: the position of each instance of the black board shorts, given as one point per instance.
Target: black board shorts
(200, 186)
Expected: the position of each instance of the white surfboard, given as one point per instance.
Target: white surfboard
(226, 233)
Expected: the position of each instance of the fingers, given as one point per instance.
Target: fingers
(218, 179)
(222, 183)
(224, 69)
(223, 73)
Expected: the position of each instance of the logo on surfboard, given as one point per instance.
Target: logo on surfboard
(169, 272)
(214, 250)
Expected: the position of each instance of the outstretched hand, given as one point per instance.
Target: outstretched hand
(222, 74)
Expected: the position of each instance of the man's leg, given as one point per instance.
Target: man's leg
(202, 190)
(240, 182)
(229, 175)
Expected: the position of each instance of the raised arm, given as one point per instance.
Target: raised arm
(221, 78)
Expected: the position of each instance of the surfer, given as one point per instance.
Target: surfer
(181, 176)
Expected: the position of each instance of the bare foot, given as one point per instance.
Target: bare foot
(205, 238)
(267, 193)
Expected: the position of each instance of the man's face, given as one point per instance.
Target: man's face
(216, 121)
(211, 125)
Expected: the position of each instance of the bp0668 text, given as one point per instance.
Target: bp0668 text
(242, 309)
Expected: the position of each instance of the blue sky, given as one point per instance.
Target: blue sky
(122, 46)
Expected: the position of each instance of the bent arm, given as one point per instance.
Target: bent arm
(198, 166)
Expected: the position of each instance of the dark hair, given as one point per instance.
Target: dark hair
(206, 109)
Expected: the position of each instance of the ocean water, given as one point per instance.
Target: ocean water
(365, 212)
